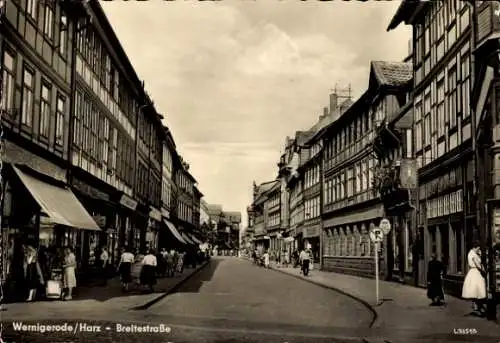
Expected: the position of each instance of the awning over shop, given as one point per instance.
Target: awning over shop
(196, 240)
(59, 204)
(187, 239)
(174, 231)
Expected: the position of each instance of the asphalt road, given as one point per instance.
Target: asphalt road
(228, 301)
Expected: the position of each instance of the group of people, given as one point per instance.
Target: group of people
(31, 273)
(474, 286)
(144, 269)
(303, 259)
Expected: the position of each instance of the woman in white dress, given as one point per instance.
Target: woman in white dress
(474, 287)
(69, 272)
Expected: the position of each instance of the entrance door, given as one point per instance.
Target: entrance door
(420, 252)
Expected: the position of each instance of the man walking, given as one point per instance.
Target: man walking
(305, 259)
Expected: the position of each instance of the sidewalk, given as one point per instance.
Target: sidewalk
(405, 312)
(90, 301)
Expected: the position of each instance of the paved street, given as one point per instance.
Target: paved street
(232, 300)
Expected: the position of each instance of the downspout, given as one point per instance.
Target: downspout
(72, 102)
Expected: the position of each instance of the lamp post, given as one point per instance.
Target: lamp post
(2, 241)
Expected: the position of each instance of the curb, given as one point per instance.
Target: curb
(171, 290)
(361, 301)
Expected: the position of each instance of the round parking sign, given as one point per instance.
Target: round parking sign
(385, 226)
(376, 235)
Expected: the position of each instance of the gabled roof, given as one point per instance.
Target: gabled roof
(233, 216)
(303, 136)
(266, 186)
(214, 209)
(392, 74)
(405, 10)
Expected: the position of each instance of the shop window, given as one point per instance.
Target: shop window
(459, 249)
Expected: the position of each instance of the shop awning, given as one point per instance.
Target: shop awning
(194, 239)
(59, 204)
(174, 231)
(187, 239)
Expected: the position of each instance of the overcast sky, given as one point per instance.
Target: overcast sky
(234, 78)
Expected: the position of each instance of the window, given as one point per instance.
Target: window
(63, 34)
(441, 124)
(409, 144)
(358, 179)
(27, 97)
(418, 126)
(60, 110)
(31, 7)
(452, 96)
(48, 24)
(7, 100)
(427, 118)
(45, 110)
(465, 78)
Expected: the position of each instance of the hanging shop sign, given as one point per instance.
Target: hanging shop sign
(128, 202)
(89, 190)
(312, 231)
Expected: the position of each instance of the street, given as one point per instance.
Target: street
(230, 300)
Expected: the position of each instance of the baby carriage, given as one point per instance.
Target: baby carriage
(54, 287)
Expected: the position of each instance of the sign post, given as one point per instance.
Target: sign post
(377, 236)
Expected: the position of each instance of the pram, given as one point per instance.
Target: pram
(54, 287)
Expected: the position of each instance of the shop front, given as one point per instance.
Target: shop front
(446, 221)
(44, 213)
(153, 229)
(125, 223)
(311, 235)
(99, 205)
(347, 247)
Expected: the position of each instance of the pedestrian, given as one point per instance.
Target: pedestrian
(33, 276)
(296, 259)
(148, 272)
(69, 277)
(266, 259)
(104, 265)
(474, 287)
(435, 272)
(125, 267)
(287, 258)
(305, 259)
(180, 262)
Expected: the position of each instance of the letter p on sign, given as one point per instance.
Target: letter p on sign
(376, 235)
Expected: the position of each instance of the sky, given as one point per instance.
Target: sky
(234, 78)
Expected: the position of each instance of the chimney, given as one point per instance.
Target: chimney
(254, 189)
(333, 102)
(325, 111)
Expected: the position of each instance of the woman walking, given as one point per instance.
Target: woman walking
(474, 287)
(148, 272)
(435, 272)
(69, 277)
(124, 268)
(33, 276)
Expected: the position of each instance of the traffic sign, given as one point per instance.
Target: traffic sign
(385, 226)
(376, 235)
